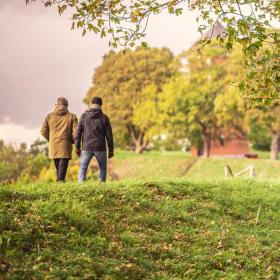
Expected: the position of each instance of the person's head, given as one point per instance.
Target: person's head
(62, 101)
(96, 102)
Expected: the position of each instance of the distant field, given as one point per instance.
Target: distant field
(155, 165)
(261, 154)
(141, 229)
(214, 168)
(151, 164)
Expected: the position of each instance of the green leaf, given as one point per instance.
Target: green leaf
(179, 11)
(144, 44)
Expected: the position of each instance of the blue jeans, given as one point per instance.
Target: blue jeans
(86, 157)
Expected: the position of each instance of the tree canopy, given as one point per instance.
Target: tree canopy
(268, 118)
(149, 93)
(247, 22)
(213, 104)
(127, 81)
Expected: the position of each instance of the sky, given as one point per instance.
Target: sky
(42, 59)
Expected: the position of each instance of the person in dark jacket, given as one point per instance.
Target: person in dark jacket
(94, 129)
(59, 130)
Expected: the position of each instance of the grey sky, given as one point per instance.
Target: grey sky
(41, 59)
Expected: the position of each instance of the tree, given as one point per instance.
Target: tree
(268, 117)
(145, 115)
(209, 106)
(39, 146)
(13, 161)
(20, 164)
(230, 110)
(173, 107)
(129, 83)
(34, 164)
(262, 85)
(202, 104)
(247, 22)
(259, 136)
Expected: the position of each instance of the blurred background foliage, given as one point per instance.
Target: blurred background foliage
(161, 102)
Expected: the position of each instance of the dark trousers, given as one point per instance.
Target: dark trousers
(61, 165)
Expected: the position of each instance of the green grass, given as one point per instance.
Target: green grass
(152, 164)
(164, 229)
(156, 165)
(214, 168)
(261, 154)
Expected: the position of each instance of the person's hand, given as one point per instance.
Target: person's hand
(78, 152)
(111, 154)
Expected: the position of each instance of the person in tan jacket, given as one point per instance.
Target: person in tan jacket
(59, 130)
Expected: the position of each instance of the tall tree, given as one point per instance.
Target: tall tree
(209, 76)
(125, 81)
(203, 102)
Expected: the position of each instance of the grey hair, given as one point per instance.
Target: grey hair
(62, 101)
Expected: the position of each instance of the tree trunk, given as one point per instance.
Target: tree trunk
(206, 144)
(139, 149)
(139, 142)
(140, 146)
(275, 145)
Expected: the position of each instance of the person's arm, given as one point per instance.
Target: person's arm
(78, 136)
(45, 130)
(74, 127)
(109, 137)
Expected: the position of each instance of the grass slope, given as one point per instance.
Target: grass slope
(174, 229)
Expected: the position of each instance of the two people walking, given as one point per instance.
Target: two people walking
(62, 129)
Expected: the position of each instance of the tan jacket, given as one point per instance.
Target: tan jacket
(59, 130)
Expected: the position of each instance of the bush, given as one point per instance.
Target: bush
(260, 137)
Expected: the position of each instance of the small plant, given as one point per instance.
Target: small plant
(4, 244)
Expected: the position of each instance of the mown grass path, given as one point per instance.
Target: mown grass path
(168, 229)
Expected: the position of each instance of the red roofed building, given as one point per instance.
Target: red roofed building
(234, 146)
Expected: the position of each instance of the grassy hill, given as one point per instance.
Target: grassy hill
(164, 229)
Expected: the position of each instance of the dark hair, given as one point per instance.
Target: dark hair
(97, 100)
(63, 101)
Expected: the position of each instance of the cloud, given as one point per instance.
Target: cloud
(15, 134)
(10, 3)
(19, 6)
(43, 59)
